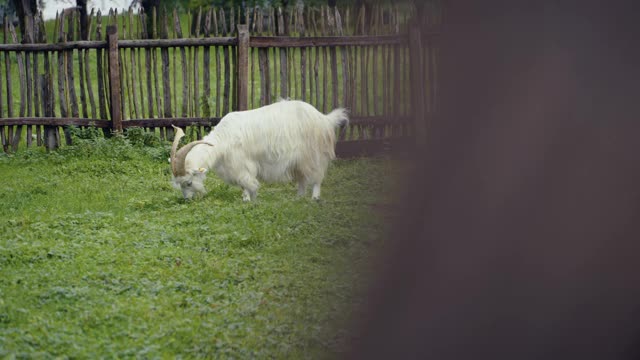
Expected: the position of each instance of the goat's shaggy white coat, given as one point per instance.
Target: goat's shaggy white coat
(285, 141)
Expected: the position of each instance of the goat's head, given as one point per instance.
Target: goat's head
(190, 182)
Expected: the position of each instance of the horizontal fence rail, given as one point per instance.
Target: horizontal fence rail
(381, 67)
(363, 40)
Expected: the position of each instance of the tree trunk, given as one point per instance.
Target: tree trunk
(25, 9)
(285, 18)
(368, 6)
(148, 6)
(84, 23)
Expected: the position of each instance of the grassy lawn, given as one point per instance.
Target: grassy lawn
(100, 256)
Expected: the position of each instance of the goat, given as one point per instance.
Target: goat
(284, 141)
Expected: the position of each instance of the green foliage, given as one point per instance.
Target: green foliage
(139, 137)
(207, 105)
(86, 133)
(191, 134)
(101, 257)
(90, 142)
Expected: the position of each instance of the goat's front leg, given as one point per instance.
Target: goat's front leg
(249, 194)
(246, 195)
(315, 194)
(250, 186)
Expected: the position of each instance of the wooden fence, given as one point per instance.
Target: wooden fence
(151, 71)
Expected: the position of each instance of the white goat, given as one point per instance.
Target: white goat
(284, 141)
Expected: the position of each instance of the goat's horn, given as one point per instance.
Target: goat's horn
(177, 162)
(174, 147)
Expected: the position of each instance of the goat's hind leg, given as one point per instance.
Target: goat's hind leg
(301, 180)
(302, 187)
(316, 180)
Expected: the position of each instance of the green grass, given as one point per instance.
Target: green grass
(100, 256)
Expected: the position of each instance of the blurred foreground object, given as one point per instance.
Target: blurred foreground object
(520, 234)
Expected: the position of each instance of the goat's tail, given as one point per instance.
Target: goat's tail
(339, 117)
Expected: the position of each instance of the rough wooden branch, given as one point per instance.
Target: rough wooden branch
(167, 122)
(286, 41)
(54, 121)
(114, 80)
(243, 66)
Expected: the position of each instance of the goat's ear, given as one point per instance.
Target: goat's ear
(199, 171)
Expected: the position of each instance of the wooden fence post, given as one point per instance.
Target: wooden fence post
(243, 66)
(50, 136)
(114, 79)
(417, 83)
